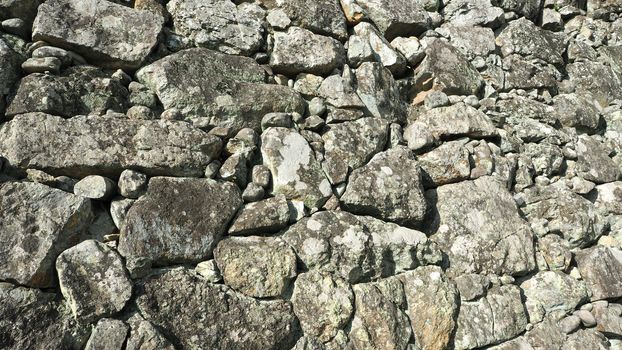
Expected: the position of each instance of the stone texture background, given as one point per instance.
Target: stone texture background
(311, 175)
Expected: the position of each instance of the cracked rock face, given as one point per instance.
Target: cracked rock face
(310, 175)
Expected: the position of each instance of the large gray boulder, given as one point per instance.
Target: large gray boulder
(323, 17)
(86, 145)
(389, 187)
(10, 61)
(219, 25)
(349, 145)
(358, 248)
(37, 223)
(565, 213)
(300, 51)
(201, 315)
(601, 268)
(107, 34)
(449, 122)
(80, 90)
(178, 220)
(446, 69)
(497, 317)
(478, 225)
(550, 291)
(260, 267)
(322, 303)
(296, 173)
(380, 93)
(432, 306)
(594, 163)
(379, 319)
(397, 17)
(473, 13)
(34, 319)
(524, 38)
(214, 89)
(93, 280)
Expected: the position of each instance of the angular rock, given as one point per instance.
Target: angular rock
(132, 184)
(323, 17)
(300, 51)
(528, 8)
(551, 291)
(594, 163)
(78, 90)
(107, 288)
(225, 90)
(477, 224)
(388, 187)
(473, 13)
(108, 334)
(10, 62)
(323, 304)
(578, 112)
(587, 339)
(350, 145)
(524, 38)
(609, 197)
(471, 41)
(595, 79)
(358, 248)
(37, 223)
(201, 315)
(368, 45)
(378, 322)
(567, 214)
(472, 286)
(432, 305)
(145, 336)
(295, 171)
(33, 319)
(108, 34)
(446, 164)
(523, 74)
(86, 145)
(555, 251)
(608, 320)
(492, 319)
(397, 17)
(447, 123)
(264, 217)
(259, 267)
(218, 25)
(380, 93)
(178, 220)
(95, 187)
(445, 69)
(601, 268)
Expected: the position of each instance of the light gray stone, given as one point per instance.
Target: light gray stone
(178, 220)
(108, 334)
(37, 223)
(95, 187)
(601, 268)
(107, 288)
(105, 33)
(397, 17)
(263, 217)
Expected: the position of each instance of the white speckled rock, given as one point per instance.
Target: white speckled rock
(93, 280)
(295, 171)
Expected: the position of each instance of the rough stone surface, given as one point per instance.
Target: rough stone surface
(224, 90)
(349, 145)
(108, 334)
(218, 25)
(106, 33)
(300, 51)
(295, 171)
(601, 268)
(259, 267)
(322, 303)
(93, 280)
(396, 17)
(489, 236)
(552, 291)
(203, 315)
(358, 248)
(495, 318)
(178, 220)
(427, 286)
(388, 187)
(78, 90)
(106, 145)
(36, 224)
(263, 217)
